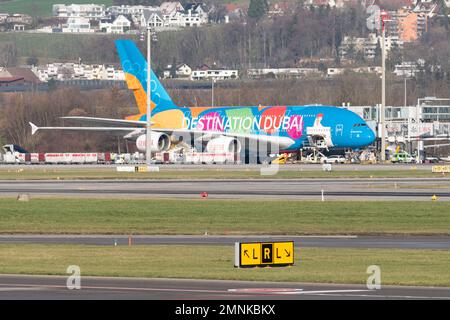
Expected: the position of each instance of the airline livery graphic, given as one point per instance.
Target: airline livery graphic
(289, 128)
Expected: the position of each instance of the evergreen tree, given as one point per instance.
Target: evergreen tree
(173, 69)
(257, 9)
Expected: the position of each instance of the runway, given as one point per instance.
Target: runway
(383, 188)
(13, 287)
(391, 242)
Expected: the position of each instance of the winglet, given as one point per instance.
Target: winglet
(34, 128)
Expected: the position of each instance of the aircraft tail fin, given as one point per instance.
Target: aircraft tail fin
(135, 68)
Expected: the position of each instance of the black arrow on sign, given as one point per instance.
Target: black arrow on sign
(246, 254)
(288, 253)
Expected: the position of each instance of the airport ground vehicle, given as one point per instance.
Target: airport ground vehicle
(431, 160)
(335, 159)
(402, 157)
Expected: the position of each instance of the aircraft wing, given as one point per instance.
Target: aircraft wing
(105, 121)
(132, 132)
(283, 142)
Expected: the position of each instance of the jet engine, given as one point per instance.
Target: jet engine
(160, 142)
(223, 145)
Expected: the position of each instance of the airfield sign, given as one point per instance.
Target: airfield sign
(260, 254)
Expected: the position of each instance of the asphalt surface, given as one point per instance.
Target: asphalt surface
(392, 242)
(383, 188)
(13, 287)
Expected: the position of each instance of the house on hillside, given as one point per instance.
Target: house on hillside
(15, 22)
(152, 18)
(78, 25)
(182, 71)
(194, 15)
(115, 25)
(170, 7)
(88, 11)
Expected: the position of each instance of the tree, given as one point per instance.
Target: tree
(257, 9)
(32, 61)
(8, 54)
(173, 69)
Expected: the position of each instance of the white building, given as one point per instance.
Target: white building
(75, 71)
(89, 11)
(173, 15)
(78, 25)
(194, 15)
(214, 74)
(287, 73)
(409, 69)
(152, 18)
(135, 12)
(182, 70)
(367, 46)
(331, 72)
(118, 25)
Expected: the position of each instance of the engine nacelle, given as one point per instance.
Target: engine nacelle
(224, 145)
(160, 142)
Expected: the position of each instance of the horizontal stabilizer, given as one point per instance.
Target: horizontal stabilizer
(105, 121)
(34, 128)
(112, 130)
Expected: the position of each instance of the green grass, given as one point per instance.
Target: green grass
(167, 173)
(67, 47)
(159, 216)
(398, 267)
(41, 8)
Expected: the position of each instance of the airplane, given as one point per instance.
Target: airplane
(222, 129)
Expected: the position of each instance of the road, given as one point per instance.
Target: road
(382, 188)
(391, 242)
(54, 287)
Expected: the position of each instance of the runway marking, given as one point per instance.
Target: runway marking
(291, 291)
(381, 296)
(267, 290)
(7, 289)
(37, 287)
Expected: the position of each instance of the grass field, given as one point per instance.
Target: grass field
(41, 8)
(398, 267)
(167, 173)
(67, 47)
(158, 216)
